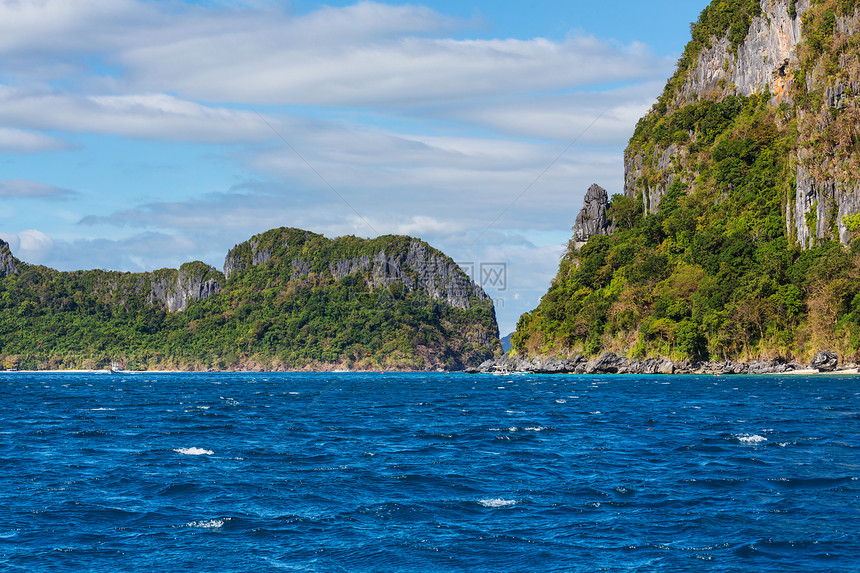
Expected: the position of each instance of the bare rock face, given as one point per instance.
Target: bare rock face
(7, 261)
(652, 192)
(238, 261)
(825, 361)
(592, 220)
(413, 263)
(416, 269)
(816, 204)
(179, 288)
(765, 58)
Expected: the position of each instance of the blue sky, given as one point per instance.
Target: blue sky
(137, 134)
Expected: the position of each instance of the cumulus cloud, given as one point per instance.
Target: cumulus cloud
(24, 189)
(595, 117)
(29, 245)
(155, 116)
(20, 141)
(366, 55)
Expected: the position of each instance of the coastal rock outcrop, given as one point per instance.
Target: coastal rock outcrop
(592, 219)
(609, 363)
(7, 261)
(825, 361)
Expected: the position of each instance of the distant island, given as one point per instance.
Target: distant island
(735, 238)
(287, 299)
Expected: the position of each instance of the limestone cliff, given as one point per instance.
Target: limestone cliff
(380, 263)
(176, 289)
(7, 261)
(418, 268)
(805, 59)
(765, 59)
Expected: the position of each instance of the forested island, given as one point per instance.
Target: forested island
(287, 299)
(736, 235)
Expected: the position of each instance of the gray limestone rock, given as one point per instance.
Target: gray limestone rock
(7, 261)
(817, 201)
(764, 59)
(607, 363)
(418, 268)
(177, 289)
(825, 361)
(592, 220)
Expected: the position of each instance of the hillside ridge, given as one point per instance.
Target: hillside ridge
(287, 299)
(735, 233)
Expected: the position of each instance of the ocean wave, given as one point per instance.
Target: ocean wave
(754, 439)
(497, 502)
(208, 524)
(193, 451)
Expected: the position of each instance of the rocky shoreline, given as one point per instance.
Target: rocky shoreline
(609, 363)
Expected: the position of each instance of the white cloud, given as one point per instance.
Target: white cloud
(405, 71)
(597, 117)
(24, 189)
(155, 116)
(364, 55)
(28, 245)
(19, 141)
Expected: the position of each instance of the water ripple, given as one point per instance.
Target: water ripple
(322, 472)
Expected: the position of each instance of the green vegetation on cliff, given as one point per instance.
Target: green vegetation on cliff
(284, 310)
(717, 268)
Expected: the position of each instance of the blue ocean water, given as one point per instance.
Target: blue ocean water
(428, 472)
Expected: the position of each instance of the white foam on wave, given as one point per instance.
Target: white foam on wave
(102, 409)
(193, 451)
(208, 524)
(754, 439)
(497, 502)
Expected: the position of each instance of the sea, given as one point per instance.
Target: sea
(390, 472)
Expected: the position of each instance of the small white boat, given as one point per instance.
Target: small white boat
(117, 367)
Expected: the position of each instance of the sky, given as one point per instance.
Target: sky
(141, 134)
